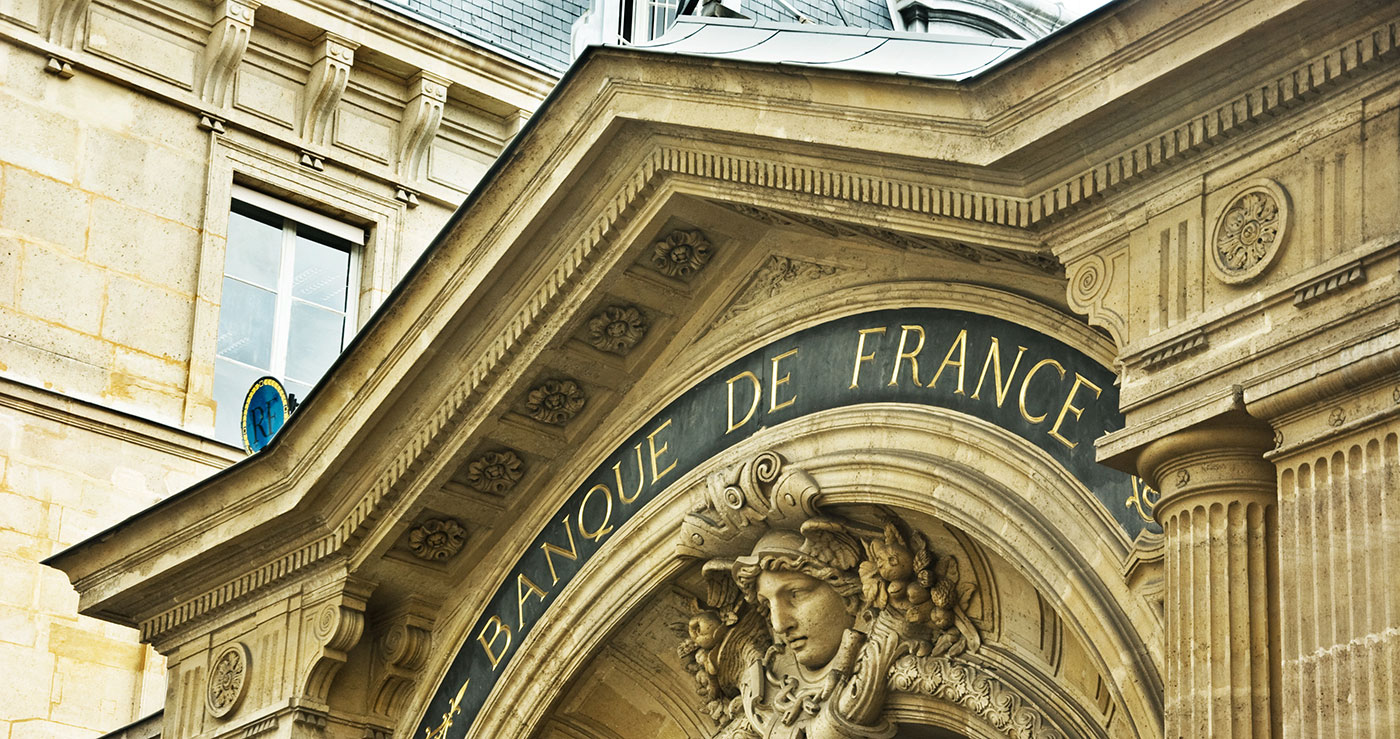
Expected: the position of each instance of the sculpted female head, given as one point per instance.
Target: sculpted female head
(809, 603)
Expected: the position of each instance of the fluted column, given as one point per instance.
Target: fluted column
(1219, 514)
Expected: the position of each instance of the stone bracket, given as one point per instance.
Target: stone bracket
(64, 17)
(228, 39)
(403, 639)
(59, 67)
(333, 621)
(421, 118)
(324, 86)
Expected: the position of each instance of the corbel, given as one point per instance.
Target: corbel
(62, 28)
(228, 39)
(402, 641)
(324, 86)
(421, 118)
(333, 621)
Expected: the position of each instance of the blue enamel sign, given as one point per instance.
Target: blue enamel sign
(264, 411)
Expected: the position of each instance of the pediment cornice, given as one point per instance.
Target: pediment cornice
(566, 206)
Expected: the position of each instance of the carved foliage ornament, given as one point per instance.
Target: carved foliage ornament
(804, 632)
(616, 329)
(495, 472)
(1249, 232)
(435, 540)
(555, 401)
(228, 679)
(681, 254)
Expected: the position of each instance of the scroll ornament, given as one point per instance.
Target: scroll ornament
(809, 620)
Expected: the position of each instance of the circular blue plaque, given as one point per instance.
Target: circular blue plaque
(264, 411)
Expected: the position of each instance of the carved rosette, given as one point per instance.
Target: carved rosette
(437, 539)
(1249, 232)
(495, 472)
(228, 679)
(616, 329)
(555, 402)
(681, 254)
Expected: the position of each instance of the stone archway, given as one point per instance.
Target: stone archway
(1023, 529)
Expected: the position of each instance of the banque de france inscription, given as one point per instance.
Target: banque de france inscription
(1013, 377)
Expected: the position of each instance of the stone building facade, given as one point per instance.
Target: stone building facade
(1053, 398)
(128, 129)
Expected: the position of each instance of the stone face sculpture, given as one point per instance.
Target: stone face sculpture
(809, 618)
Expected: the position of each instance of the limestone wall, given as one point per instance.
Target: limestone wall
(125, 125)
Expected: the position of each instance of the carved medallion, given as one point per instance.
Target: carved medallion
(616, 329)
(436, 539)
(1249, 232)
(495, 472)
(555, 402)
(681, 254)
(806, 631)
(228, 679)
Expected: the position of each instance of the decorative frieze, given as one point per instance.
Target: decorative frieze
(616, 329)
(776, 275)
(1249, 232)
(555, 402)
(436, 540)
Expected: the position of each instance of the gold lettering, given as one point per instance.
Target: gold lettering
(773, 404)
(641, 478)
(757, 393)
(1069, 406)
(604, 528)
(521, 583)
(486, 643)
(1026, 383)
(571, 552)
(994, 361)
(656, 453)
(960, 346)
(913, 356)
(860, 356)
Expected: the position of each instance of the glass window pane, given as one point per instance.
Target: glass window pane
(254, 250)
(313, 342)
(231, 383)
(320, 273)
(245, 323)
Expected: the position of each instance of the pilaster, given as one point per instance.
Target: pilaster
(1338, 465)
(1219, 515)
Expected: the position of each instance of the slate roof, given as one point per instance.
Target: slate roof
(538, 30)
(535, 30)
(867, 50)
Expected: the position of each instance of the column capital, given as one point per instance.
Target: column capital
(1225, 459)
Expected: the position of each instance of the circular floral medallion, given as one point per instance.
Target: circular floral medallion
(617, 329)
(228, 679)
(495, 472)
(436, 539)
(555, 402)
(681, 254)
(1249, 232)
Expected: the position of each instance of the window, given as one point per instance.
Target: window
(288, 305)
(645, 20)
